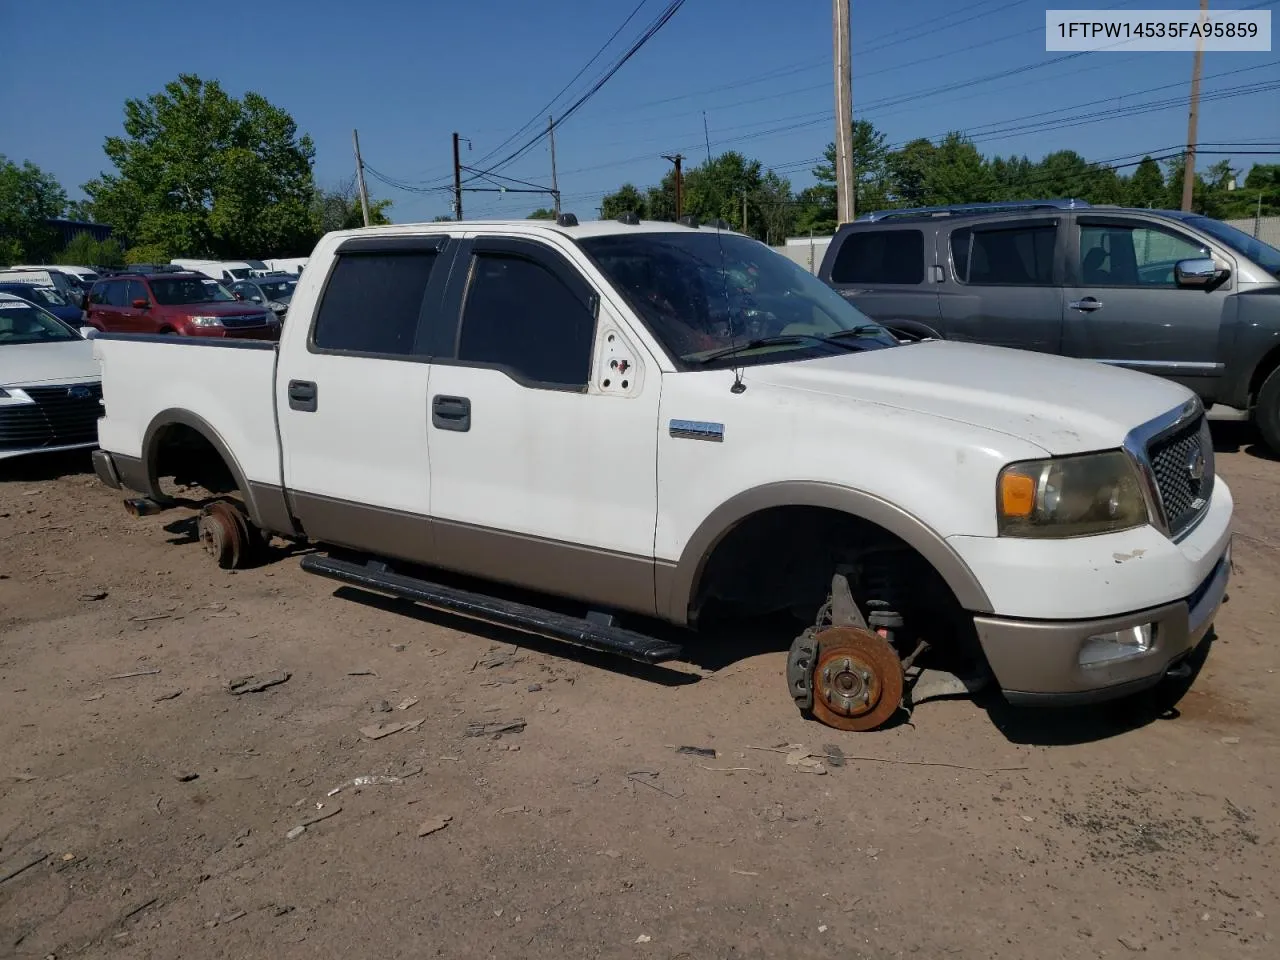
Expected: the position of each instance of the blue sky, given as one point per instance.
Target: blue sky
(409, 73)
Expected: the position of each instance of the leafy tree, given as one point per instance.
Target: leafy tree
(719, 188)
(817, 209)
(956, 173)
(28, 197)
(1263, 182)
(147, 253)
(339, 209)
(625, 198)
(542, 213)
(201, 173)
(1146, 188)
(774, 210)
(85, 250)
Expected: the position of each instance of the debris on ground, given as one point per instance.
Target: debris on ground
(806, 762)
(361, 673)
(708, 752)
(520, 809)
(301, 828)
(185, 776)
(376, 731)
(398, 647)
(494, 728)
(11, 868)
(643, 938)
(257, 683)
(406, 703)
(168, 695)
(295, 833)
(1132, 943)
(376, 780)
(833, 754)
(381, 706)
(134, 673)
(218, 919)
(649, 779)
(434, 825)
(92, 596)
(533, 688)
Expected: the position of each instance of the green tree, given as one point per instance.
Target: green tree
(339, 209)
(28, 197)
(774, 209)
(723, 188)
(201, 173)
(1261, 188)
(623, 200)
(1146, 188)
(956, 173)
(86, 251)
(817, 206)
(908, 172)
(542, 213)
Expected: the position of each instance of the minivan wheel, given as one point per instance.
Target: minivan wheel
(1266, 413)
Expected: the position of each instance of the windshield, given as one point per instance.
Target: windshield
(182, 290)
(240, 273)
(23, 323)
(703, 294)
(279, 290)
(1264, 255)
(42, 296)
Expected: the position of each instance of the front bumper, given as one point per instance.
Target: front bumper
(1038, 662)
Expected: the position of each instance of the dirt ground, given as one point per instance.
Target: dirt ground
(164, 806)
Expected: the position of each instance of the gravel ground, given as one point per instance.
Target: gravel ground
(162, 810)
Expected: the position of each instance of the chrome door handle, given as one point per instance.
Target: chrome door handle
(1088, 303)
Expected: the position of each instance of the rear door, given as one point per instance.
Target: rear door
(888, 273)
(1007, 288)
(353, 402)
(110, 309)
(135, 319)
(1123, 307)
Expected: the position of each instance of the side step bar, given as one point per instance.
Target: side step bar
(581, 632)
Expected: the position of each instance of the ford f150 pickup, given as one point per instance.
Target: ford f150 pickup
(628, 421)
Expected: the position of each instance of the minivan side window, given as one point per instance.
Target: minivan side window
(117, 294)
(520, 316)
(880, 256)
(1115, 255)
(372, 303)
(137, 291)
(1005, 256)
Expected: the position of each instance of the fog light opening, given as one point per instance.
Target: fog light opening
(1106, 648)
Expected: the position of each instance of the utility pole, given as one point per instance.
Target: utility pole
(744, 211)
(555, 187)
(677, 160)
(844, 112)
(457, 180)
(364, 192)
(1189, 161)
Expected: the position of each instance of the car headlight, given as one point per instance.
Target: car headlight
(206, 321)
(13, 396)
(1070, 496)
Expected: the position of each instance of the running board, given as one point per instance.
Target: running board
(592, 634)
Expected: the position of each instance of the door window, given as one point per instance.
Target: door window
(248, 291)
(373, 302)
(1007, 256)
(520, 317)
(880, 256)
(1114, 255)
(117, 294)
(137, 291)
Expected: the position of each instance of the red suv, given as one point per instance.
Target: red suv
(189, 304)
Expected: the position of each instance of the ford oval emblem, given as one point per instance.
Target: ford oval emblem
(1195, 465)
(79, 392)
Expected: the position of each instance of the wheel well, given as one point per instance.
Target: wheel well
(184, 454)
(1266, 366)
(783, 559)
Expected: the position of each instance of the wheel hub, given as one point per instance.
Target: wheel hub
(858, 680)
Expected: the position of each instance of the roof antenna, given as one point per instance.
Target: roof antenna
(738, 369)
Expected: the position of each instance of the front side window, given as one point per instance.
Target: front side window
(1005, 256)
(22, 322)
(280, 291)
(178, 291)
(725, 300)
(1113, 255)
(137, 291)
(117, 294)
(372, 303)
(520, 316)
(1263, 254)
(880, 256)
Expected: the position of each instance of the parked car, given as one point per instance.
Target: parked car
(84, 275)
(1175, 294)
(46, 298)
(576, 410)
(272, 290)
(226, 271)
(189, 304)
(68, 287)
(50, 383)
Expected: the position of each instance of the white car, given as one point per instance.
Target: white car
(50, 384)
(660, 420)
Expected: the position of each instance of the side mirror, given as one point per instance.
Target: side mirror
(141, 303)
(1196, 274)
(88, 333)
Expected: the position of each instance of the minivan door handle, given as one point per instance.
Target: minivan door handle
(451, 413)
(1087, 304)
(302, 396)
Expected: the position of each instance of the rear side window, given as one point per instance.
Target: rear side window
(372, 303)
(1011, 256)
(520, 316)
(880, 256)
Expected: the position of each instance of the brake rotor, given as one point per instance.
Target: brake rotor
(857, 679)
(224, 534)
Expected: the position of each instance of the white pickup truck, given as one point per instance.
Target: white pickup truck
(640, 421)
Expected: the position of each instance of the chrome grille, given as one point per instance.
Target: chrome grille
(1183, 469)
(238, 323)
(56, 419)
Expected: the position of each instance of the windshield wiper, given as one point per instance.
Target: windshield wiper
(774, 341)
(862, 330)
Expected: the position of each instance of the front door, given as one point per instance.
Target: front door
(543, 437)
(1123, 307)
(1007, 288)
(352, 399)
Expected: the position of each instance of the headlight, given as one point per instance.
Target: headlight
(13, 396)
(206, 321)
(1070, 496)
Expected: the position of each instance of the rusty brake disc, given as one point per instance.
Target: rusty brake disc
(857, 679)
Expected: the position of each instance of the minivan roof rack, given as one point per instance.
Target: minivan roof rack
(952, 210)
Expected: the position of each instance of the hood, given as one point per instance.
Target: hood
(23, 364)
(215, 309)
(1061, 405)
